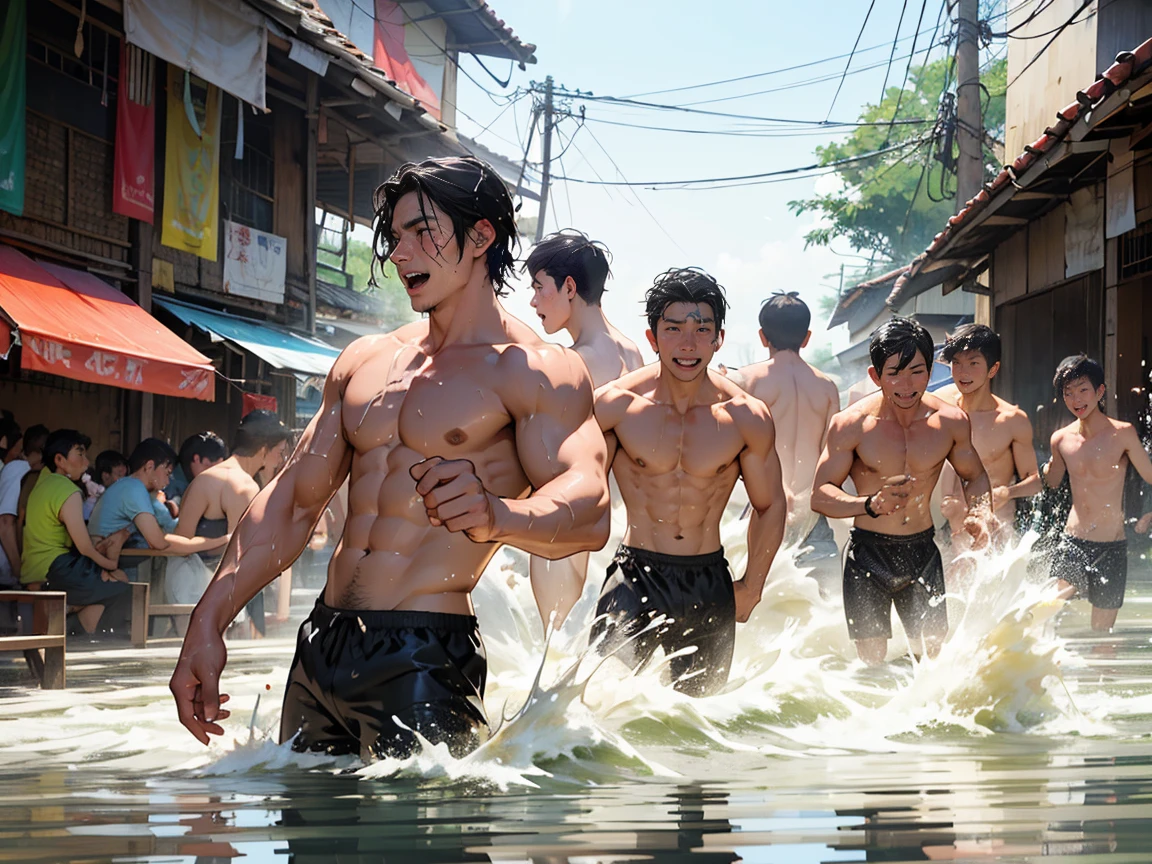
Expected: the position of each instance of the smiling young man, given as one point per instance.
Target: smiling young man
(1094, 450)
(568, 273)
(679, 436)
(457, 433)
(1001, 432)
(893, 444)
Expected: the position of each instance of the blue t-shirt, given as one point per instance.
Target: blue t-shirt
(121, 503)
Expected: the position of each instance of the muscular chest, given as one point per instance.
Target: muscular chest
(443, 405)
(702, 442)
(889, 449)
(991, 436)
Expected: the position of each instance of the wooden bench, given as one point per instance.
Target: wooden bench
(144, 610)
(48, 606)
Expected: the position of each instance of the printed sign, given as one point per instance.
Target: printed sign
(254, 263)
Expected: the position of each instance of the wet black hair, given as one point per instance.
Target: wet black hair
(973, 337)
(784, 320)
(684, 285)
(466, 190)
(1078, 366)
(206, 445)
(902, 337)
(35, 439)
(153, 450)
(259, 429)
(571, 253)
(107, 462)
(60, 443)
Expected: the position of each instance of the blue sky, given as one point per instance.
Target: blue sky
(746, 237)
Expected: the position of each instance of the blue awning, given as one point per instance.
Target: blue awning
(275, 345)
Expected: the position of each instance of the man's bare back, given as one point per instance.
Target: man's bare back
(802, 401)
(222, 491)
(608, 355)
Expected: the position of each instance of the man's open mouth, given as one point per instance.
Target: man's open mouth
(687, 362)
(415, 280)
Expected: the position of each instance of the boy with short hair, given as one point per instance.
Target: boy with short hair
(1001, 431)
(1091, 559)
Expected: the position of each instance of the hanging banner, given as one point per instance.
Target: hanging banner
(390, 56)
(191, 165)
(254, 263)
(225, 42)
(13, 46)
(134, 186)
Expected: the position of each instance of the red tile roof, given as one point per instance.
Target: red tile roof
(1128, 64)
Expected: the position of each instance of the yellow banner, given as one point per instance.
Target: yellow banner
(191, 165)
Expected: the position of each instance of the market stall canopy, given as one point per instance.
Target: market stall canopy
(277, 346)
(75, 325)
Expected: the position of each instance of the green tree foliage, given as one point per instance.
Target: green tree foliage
(874, 209)
(389, 289)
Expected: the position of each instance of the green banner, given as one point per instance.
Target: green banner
(13, 47)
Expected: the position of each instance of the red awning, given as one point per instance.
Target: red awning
(75, 325)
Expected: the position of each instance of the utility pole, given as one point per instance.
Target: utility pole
(547, 158)
(970, 129)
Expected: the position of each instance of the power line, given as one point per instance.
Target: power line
(788, 132)
(816, 167)
(754, 75)
(1084, 5)
(847, 65)
(895, 40)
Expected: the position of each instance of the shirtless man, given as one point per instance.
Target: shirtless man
(802, 402)
(893, 445)
(218, 495)
(458, 433)
(679, 436)
(1001, 432)
(1092, 557)
(568, 274)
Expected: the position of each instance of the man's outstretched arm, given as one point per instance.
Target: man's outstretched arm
(267, 539)
(760, 468)
(562, 452)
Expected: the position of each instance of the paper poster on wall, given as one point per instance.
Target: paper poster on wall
(134, 182)
(13, 48)
(255, 263)
(191, 165)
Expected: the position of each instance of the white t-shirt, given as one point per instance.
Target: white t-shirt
(10, 478)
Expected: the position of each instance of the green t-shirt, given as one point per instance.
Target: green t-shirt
(45, 537)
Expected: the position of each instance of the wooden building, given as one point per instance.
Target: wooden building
(333, 117)
(1060, 242)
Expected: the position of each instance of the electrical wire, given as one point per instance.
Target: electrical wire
(787, 132)
(1072, 19)
(807, 168)
(895, 40)
(847, 65)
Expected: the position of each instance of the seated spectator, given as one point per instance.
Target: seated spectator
(30, 461)
(58, 553)
(129, 504)
(218, 497)
(109, 467)
(199, 451)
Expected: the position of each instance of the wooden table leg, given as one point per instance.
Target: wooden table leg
(140, 592)
(54, 657)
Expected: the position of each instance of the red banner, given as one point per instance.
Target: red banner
(391, 57)
(134, 190)
(256, 401)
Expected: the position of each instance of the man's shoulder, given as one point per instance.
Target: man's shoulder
(944, 410)
(1012, 412)
(949, 393)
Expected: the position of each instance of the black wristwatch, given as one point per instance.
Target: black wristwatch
(868, 506)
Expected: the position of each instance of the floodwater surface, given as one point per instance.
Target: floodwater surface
(1029, 738)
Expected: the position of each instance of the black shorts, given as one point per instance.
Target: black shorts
(355, 670)
(885, 569)
(1098, 571)
(693, 592)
